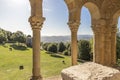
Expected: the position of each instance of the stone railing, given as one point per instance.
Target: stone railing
(90, 71)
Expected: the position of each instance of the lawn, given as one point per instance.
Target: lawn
(11, 60)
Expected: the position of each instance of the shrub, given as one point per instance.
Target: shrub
(118, 47)
(3, 38)
(68, 47)
(61, 47)
(19, 46)
(29, 41)
(45, 46)
(84, 50)
(52, 48)
(57, 55)
(19, 37)
(66, 52)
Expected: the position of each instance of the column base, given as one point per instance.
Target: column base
(36, 78)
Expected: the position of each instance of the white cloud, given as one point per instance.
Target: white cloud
(47, 6)
(47, 10)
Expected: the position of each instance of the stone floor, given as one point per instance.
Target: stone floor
(53, 78)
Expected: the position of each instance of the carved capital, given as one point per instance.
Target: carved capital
(98, 29)
(99, 26)
(73, 26)
(36, 22)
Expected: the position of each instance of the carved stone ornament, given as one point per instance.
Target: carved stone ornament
(74, 26)
(36, 22)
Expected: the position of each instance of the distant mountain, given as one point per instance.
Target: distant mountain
(64, 38)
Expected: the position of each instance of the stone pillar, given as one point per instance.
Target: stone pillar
(102, 45)
(36, 24)
(74, 46)
(113, 43)
(108, 48)
(36, 20)
(98, 53)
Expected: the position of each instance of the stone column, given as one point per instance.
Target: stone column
(113, 44)
(98, 53)
(102, 45)
(36, 24)
(74, 46)
(36, 20)
(108, 44)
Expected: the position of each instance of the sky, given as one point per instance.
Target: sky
(14, 16)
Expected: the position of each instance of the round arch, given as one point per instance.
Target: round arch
(115, 17)
(95, 18)
(94, 11)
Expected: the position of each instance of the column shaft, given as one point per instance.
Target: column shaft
(113, 48)
(36, 54)
(102, 49)
(98, 54)
(74, 47)
(108, 49)
(113, 43)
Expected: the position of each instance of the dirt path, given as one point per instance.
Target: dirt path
(53, 78)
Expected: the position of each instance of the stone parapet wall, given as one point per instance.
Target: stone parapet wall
(90, 71)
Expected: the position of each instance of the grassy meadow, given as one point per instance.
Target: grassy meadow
(11, 60)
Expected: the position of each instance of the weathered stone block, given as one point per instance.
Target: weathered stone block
(90, 71)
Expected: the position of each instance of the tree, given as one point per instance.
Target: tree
(29, 36)
(66, 53)
(19, 37)
(3, 36)
(52, 48)
(29, 41)
(91, 43)
(68, 47)
(84, 49)
(9, 34)
(61, 47)
(118, 47)
(45, 46)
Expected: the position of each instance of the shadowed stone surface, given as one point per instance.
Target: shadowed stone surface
(90, 71)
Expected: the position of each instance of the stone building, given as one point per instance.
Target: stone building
(104, 14)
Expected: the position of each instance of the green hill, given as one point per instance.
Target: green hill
(11, 60)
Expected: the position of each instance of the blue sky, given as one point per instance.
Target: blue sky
(14, 16)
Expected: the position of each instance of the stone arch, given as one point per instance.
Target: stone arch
(94, 11)
(113, 27)
(95, 17)
(115, 17)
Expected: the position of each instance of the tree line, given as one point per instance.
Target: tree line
(85, 48)
(7, 36)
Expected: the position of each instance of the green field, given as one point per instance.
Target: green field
(11, 60)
